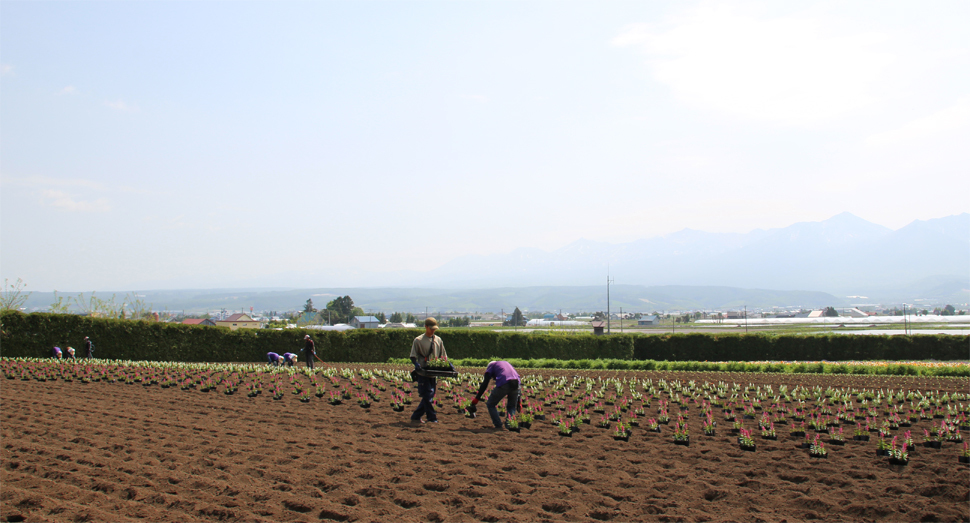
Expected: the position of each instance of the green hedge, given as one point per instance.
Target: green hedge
(33, 335)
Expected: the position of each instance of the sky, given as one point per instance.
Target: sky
(166, 145)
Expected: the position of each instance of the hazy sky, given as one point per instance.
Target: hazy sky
(208, 144)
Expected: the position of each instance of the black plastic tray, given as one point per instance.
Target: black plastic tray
(435, 373)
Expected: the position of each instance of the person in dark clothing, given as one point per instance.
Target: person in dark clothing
(70, 353)
(56, 353)
(274, 359)
(310, 350)
(88, 348)
(289, 359)
(506, 385)
(424, 347)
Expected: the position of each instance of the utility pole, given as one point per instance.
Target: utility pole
(621, 320)
(608, 283)
(905, 324)
(745, 319)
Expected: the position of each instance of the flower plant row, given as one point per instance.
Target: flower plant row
(820, 417)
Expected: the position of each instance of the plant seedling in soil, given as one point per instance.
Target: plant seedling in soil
(565, 429)
(621, 432)
(837, 438)
(898, 454)
(964, 454)
(745, 440)
(681, 434)
(817, 449)
(708, 427)
(882, 447)
(512, 424)
(769, 432)
(652, 425)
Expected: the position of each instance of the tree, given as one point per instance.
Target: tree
(139, 309)
(397, 317)
(948, 310)
(95, 306)
(458, 322)
(341, 310)
(308, 307)
(830, 312)
(61, 304)
(12, 297)
(410, 319)
(381, 318)
(516, 319)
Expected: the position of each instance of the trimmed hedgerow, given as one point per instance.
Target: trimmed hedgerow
(33, 335)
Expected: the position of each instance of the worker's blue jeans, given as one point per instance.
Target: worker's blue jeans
(426, 406)
(510, 389)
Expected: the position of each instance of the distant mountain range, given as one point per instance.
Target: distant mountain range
(841, 261)
(844, 255)
(631, 298)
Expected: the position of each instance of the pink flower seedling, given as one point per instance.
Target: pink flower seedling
(745, 439)
(817, 448)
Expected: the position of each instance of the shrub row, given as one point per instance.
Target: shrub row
(33, 335)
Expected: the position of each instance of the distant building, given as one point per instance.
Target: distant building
(205, 322)
(599, 327)
(365, 322)
(648, 320)
(240, 321)
(400, 326)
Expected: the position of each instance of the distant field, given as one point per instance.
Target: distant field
(631, 328)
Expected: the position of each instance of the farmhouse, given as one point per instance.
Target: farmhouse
(365, 322)
(648, 320)
(195, 321)
(240, 321)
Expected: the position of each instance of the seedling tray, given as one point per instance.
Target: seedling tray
(434, 373)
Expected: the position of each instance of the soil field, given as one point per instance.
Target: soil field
(74, 451)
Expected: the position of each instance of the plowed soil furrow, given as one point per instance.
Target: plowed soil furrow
(72, 451)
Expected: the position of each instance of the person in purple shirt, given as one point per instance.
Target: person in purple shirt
(56, 354)
(289, 359)
(506, 384)
(70, 353)
(274, 359)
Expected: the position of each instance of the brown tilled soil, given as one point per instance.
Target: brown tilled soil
(116, 452)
